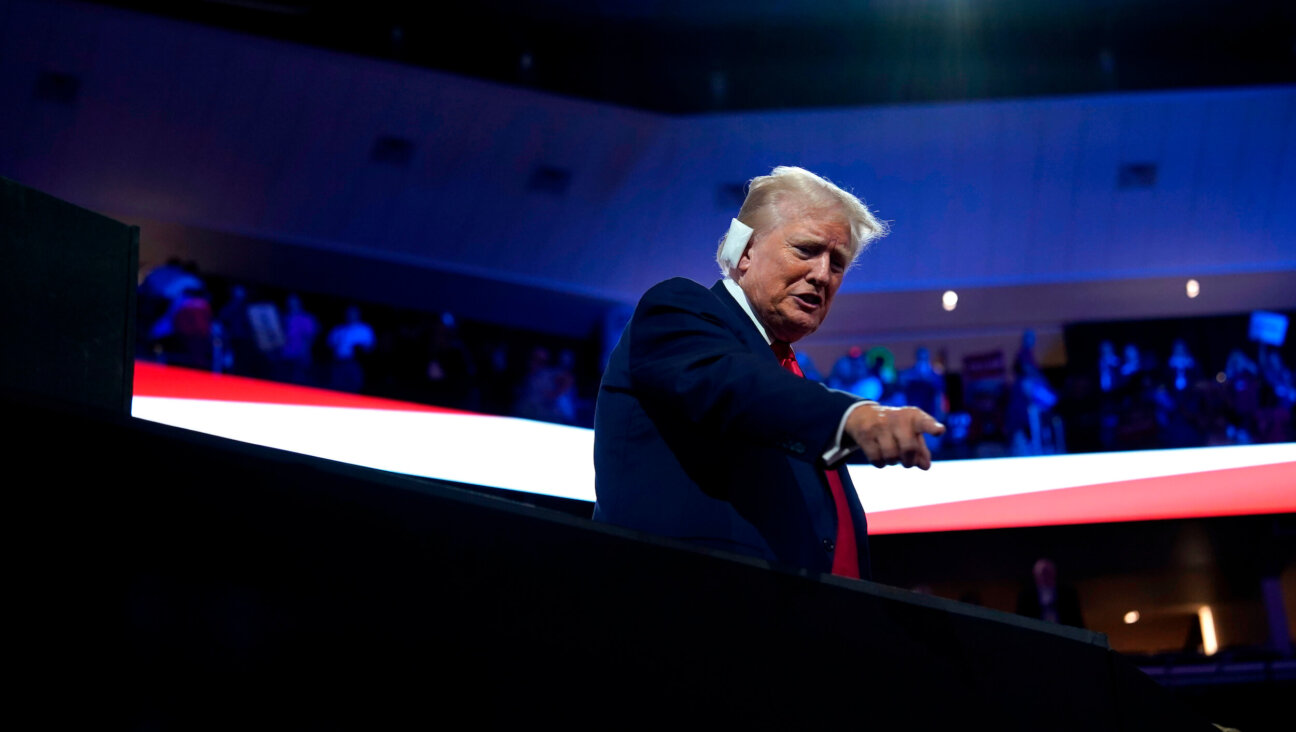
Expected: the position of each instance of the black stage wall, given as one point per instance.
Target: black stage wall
(245, 585)
(68, 300)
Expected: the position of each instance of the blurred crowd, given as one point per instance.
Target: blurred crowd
(1133, 398)
(206, 322)
(1150, 400)
(989, 410)
(1130, 397)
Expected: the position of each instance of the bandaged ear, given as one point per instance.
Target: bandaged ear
(735, 244)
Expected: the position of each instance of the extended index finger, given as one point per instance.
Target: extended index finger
(927, 424)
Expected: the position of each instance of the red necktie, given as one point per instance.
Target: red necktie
(846, 557)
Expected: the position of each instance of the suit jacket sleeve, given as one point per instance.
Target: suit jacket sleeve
(690, 356)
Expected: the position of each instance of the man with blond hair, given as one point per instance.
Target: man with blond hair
(705, 429)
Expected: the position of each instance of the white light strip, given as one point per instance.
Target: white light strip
(964, 480)
(500, 452)
(555, 460)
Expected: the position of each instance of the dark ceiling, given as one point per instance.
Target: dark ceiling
(683, 57)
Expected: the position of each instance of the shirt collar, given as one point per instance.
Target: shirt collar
(737, 293)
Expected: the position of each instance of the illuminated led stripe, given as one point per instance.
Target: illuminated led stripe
(962, 480)
(550, 459)
(501, 452)
(156, 380)
(1234, 492)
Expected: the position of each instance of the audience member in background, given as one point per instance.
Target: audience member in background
(296, 357)
(870, 386)
(1109, 381)
(849, 374)
(1239, 367)
(535, 393)
(191, 328)
(1024, 362)
(498, 392)
(1277, 397)
(956, 444)
(1181, 366)
(1139, 428)
(1132, 366)
(548, 390)
(1242, 384)
(163, 286)
(1029, 403)
(1277, 376)
(1109, 367)
(564, 379)
(1178, 400)
(924, 388)
(862, 374)
(238, 341)
(268, 337)
(158, 297)
(881, 366)
(348, 342)
(449, 373)
(1049, 600)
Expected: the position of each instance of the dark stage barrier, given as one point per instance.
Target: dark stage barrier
(252, 586)
(68, 300)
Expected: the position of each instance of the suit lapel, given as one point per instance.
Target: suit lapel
(743, 324)
(809, 478)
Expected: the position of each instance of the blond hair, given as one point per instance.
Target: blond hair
(770, 196)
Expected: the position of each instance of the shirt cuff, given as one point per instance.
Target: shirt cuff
(839, 451)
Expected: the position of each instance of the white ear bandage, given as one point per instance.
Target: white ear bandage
(735, 244)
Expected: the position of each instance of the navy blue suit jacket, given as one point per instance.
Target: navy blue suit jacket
(701, 435)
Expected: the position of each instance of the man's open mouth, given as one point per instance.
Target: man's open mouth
(810, 299)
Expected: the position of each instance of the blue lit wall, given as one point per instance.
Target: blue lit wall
(205, 128)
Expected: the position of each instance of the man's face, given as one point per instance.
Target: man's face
(791, 273)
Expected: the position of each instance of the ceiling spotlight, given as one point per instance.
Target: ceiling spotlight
(1193, 288)
(1131, 617)
(949, 300)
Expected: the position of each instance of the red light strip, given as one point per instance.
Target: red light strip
(1254, 489)
(157, 380)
